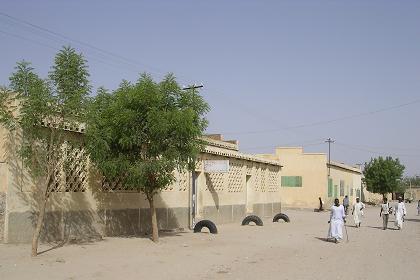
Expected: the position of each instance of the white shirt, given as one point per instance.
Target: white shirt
(385, 208)
(337, 213)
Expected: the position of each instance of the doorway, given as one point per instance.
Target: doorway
(249, 195)
(194, 190)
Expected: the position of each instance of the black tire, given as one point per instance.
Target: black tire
(252, 218)
(281, 216)
(207, 224)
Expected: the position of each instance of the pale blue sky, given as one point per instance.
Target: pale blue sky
(266, 65)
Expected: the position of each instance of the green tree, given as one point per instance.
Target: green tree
(44, 112)
(383, 175)
(140, 133)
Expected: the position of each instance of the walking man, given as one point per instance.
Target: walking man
(337, 220)
(400, 212)
(384, 213)
(357, 212)
(346, 204)
(418, 207)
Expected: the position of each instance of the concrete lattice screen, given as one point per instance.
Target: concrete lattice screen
(71, 174)
(236, 178)
(215, 182)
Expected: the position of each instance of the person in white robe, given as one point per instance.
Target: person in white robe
(337, 220)
(399, 213)
(357, 212)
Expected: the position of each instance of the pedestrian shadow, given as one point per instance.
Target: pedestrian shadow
(381, 228)
(353, 226)
(323, 239)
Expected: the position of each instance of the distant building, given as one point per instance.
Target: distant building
(305, 178)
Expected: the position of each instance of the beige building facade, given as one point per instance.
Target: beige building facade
(83, 206)
(343, 180)
(306, 177)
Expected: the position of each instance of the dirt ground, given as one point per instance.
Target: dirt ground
(297, 250)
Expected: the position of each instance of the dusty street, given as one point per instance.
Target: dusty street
(274, 251)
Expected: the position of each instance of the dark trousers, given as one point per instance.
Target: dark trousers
(385, 220)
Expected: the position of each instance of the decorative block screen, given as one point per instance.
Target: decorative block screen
(236, 179)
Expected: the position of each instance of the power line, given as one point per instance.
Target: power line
(308, 143)
(120, 58)
(415, 101)
(53, 35)
(53, 48)
(132, 63)
(375, 152)
(387, 148)
(67, 39)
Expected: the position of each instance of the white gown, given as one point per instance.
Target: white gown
(400, 211)
(336, 222)
(357, 212)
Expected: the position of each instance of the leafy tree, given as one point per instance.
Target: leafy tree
(46, 108)
(383, 175)
(140, 133)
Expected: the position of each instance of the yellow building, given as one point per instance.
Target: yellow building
(306, 177)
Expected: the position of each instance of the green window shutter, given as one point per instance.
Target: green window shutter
(330, 187)
(291, 181)
(342, 187)
(335, 191)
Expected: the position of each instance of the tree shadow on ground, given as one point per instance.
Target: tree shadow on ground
(56, 246)
(59, 244)
(147, 235)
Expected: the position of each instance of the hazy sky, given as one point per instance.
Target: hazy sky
(275, 72)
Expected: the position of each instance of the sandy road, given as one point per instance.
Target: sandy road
(274, 251)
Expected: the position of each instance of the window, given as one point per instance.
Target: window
(330, 187)
(335, 191)
(351, 192)
(358, 192)
(291, 181)
(341, 187)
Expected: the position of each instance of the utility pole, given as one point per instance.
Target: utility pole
(194, 187)
(329, 141)
(193, 87)
(362, 196)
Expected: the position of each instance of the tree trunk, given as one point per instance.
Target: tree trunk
(38, 228)
(155, 231)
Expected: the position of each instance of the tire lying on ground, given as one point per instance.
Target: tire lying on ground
(207, 224)
(281, 216)
(252, 218)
